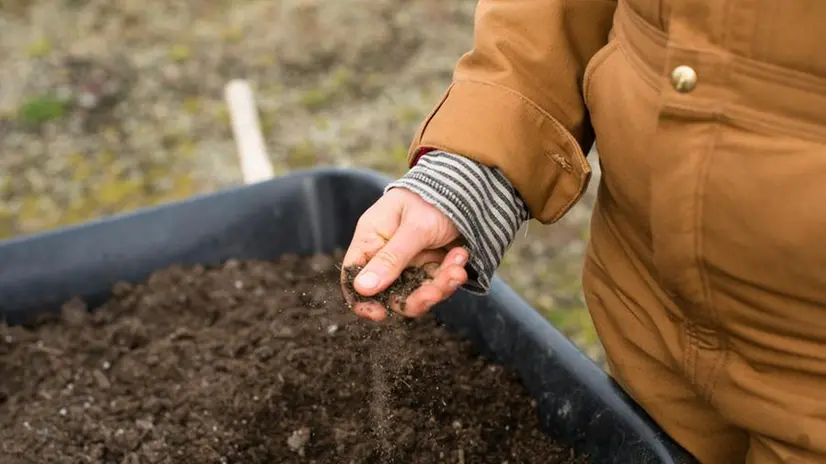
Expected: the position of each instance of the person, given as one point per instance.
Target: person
(705, 271)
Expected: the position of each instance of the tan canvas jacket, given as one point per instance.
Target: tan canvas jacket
(518, 100)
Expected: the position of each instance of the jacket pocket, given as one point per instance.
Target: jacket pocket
(594, 65)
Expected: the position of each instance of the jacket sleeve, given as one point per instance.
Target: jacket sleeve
(516, 103)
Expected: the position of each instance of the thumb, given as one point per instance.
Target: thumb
(389, 262)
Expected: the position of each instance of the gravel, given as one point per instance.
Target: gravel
(110, 106)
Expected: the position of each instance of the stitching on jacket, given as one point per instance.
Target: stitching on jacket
(557, 126)
(561, 161)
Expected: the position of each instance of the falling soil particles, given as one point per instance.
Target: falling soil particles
(255, 362)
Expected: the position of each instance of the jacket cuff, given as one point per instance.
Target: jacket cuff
(479, 200)
(500, 128)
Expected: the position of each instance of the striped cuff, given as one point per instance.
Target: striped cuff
(482, 203)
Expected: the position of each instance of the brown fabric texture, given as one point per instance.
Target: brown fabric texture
(706, 272)
(516, 101)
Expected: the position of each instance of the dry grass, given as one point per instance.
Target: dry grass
(107, 106)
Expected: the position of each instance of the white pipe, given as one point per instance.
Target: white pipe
(246, 127)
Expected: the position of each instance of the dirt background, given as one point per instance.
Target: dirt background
(106, 106)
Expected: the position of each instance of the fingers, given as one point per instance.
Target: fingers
(389, 261)
(429, 260)
(366, 309)
(375, 311)
(369, 236)
(447, 278)
(370, 310)
(378, 222)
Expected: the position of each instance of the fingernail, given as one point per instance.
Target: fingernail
(460, 260)
(368, 280)
(454, 284)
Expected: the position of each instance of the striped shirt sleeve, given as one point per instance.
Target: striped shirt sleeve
(482, 203)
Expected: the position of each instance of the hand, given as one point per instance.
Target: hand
(398, 231)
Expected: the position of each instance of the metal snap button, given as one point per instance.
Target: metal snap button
(684, 79)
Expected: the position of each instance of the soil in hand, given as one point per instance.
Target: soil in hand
(409, 280)
(254, 362)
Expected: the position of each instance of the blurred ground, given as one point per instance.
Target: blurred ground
(106, 106)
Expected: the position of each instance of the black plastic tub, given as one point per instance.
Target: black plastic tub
(316, 211)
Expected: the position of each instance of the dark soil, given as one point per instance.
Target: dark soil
(254, 362)
(409, 280)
